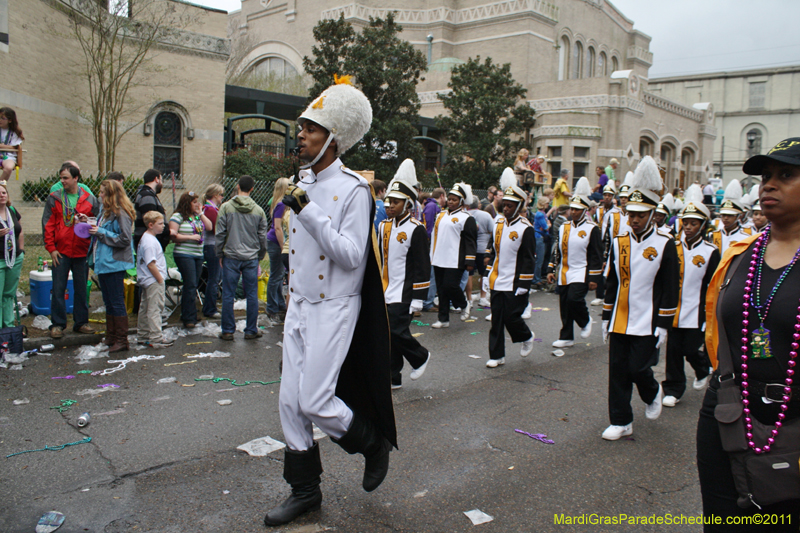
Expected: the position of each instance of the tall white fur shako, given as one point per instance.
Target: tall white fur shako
(343, 110)
(625, 188)
(666, 205)
(402, 185)
(646, 186)
(580, 198)
(463, 191)
(694, 204)
(511, 191)
(732, 200)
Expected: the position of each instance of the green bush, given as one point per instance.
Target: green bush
(265, 168)
(37, 191)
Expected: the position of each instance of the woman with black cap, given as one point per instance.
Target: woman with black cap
(748, 434)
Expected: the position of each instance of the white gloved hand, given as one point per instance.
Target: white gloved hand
(415, 307)
(520, 291)
(661, 337)
(605, 331)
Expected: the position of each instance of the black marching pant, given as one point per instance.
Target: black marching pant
(403, 344)
(630, 360)
(601, 288)
(572, 298)
(448, 287)
(507, 312)
(683, 342)
(717, 487)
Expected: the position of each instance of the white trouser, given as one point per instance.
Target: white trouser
(316, 338)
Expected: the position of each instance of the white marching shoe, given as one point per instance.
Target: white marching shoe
(563, 344)
(615, 432)
(597, 301)
(700, 384)
(417, 373)
(585, 332)
(528, 312)
(527, 347)
(488, 317)
(493, 363)
(669, 401)
(653, 410)
(465, 312)
(484, 302)
(439, 325)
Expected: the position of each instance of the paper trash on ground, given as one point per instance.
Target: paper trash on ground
(41, 322)
(475, 356)
(261, 447)
(478, 517)
(49, 522)
(240, 305)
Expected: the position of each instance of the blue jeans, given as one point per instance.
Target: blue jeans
(537, 271)
(212, 285)
(190, 267)
(275, 301)
(58, 305)
(431, 292)
(113, 288)
(231, 270)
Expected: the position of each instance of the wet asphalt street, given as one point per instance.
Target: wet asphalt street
(163, 456)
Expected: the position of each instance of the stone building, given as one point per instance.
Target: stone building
(756, 109)
(582, 61)
(178, 123)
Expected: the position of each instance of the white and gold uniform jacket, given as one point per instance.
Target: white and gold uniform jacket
(615, 222)
(642, 284)
(723, 239)
(577, 256)
(405, 266)
(329, 237)
(511, 254)
(696, 265)
(454, 239)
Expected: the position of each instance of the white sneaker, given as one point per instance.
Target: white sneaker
(439, 325)
(488, 317)
(563, 344)
(484, 302)
(465, 313)
(585, 332)
(615, 432)
(417, 373)
(669, 401)
(597, 301)
(700, 384)
(528, 312)
(527, 347)
(493, 363)
(653, 410)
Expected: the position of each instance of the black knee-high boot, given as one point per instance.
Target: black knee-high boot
(301, 470)
(364, 438)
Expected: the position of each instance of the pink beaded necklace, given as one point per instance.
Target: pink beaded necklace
(755, 262)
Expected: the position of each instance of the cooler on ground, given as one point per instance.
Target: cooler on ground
(42, 288)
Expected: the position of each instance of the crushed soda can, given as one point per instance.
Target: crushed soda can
(84, 420)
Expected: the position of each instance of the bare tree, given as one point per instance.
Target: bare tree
(117, 39)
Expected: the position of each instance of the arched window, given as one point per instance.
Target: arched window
(687, 158)
(590, 71)
(754, 138)
(274, 66)
(577, 60)
(601, 65)
(667, 160)
(563, 58)
(167, 143)
(614, 64)
(645, 147)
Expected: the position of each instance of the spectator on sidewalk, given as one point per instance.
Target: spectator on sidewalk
(151, 271)
(186, 227)
(147, 200)
(112, 256)
(14, 247)
(275, 301)
(67, 250)
(10, 138)
(379, 191)
(432, 208)
(485, 224)
(241, 244)
(212, 199)
(57, 186)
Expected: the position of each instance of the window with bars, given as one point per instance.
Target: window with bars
(167, 144)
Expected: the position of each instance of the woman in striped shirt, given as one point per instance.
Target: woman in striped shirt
(186, 227)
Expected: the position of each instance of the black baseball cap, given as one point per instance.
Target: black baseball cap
(786, 151)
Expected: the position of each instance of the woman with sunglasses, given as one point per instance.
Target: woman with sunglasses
(186, 227)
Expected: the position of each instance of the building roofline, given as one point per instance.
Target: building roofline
(206, 8)
(728, 74)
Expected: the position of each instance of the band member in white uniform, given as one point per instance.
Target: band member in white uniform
(405, 271)
(576, 264)
(605, 207)
(663, 213)
(510, 253)
(731, 231)
(453, 248)
(641, 299)
(341, 386)
(697, 261)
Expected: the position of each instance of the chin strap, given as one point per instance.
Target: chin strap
(320, 154)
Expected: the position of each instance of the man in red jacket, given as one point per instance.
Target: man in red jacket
(62, 211)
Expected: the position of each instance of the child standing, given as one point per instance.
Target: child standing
(151, 269)
(10, 139)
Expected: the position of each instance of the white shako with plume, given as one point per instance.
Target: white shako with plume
(755, 191)
(694, 204)
(402, 185)
(732, 200)
(625, 188)
(580, 197)
(646, 186)
(344, 111)
(751, 198)
(511, 191)
(610, 188)
(678, 205)
(463, 191)
(666, 205)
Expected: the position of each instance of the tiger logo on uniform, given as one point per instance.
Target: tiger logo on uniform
(650, 253)
(513, 236)
(581, 234)
(454, 220)
(698, 261)
(402, 237)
